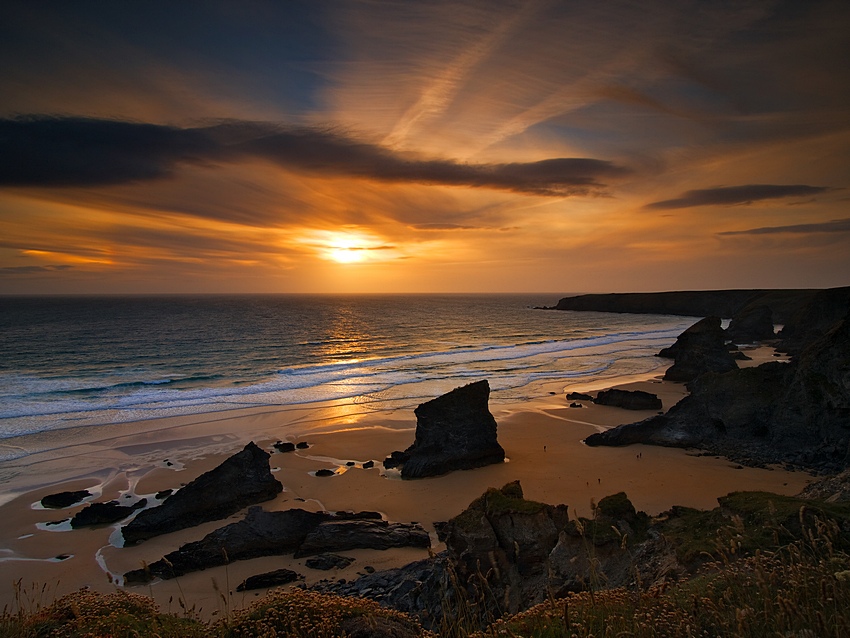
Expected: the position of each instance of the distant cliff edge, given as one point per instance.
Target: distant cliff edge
(783, 303)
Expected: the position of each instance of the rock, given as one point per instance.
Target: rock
(104, 513)
(576, 405)
(325, 472)
(751, 325)
(263, 533)
(163, 494)
(241, 480)
(302, 445)
(64, 499)
(269, 579)
(628, 399)
(328, 561)
(368, 465)
(395, 459)
(281, 446)
(793, 413)
(815, 319)
(453, 432)
(340, 536)
(579, 396)
(699, 349)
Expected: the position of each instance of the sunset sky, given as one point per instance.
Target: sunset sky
(428, 146)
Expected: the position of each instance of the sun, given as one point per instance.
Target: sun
(347, 250)
(348, 246)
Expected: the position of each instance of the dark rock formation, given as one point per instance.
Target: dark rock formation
(578, 396)
(325, 562)
(104, 513)
(628, 399)
(507, 553)
(395, 459)
(453, 432)
(241, 480)
(263, 533)
(751, 325)
(269, 579)
(796, 413)
(814, 319)
(302, 445)
(576, 405)
(64, 499)
(697, 303)
(282, 446)
(325, 472)
(339, 536)
(699, 349)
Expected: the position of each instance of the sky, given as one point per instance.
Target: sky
(429, 146)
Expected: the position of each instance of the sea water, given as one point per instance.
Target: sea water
(80, 361)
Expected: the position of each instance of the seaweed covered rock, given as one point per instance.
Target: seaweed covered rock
(455, 431)
(241, 480)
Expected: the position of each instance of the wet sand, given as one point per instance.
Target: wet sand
(542, 439)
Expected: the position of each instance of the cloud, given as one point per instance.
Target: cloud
(834, 226)
(438, 226)
(32, 270)
(72, 151)
(733, 195)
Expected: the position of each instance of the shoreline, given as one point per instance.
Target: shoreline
(542, 438)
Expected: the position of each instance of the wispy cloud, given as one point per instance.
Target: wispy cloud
(834, 226)
(52, 151)
(734, 195)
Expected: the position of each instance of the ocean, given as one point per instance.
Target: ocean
(84, 361)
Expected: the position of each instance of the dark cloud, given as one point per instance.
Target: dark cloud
(732, 195)
(55, 151)
(834, 226)
(32, 270)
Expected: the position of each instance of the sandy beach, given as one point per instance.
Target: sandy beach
(542, 439)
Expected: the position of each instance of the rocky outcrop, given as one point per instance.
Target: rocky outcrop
(751, 325)
(578, 396)
(64, 499)
(240, 481)
(269, 579)
(699, 349)
(628, 399)
(325, 562)
(796, 413)
(340, 536)
(104, 513)
(263, 533)
(815, 319)
(693, 303)
(453, 432)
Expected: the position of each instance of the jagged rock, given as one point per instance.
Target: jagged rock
(815, 319)
(831, 489)
(453, 432)
(796, 413)
(340, 536)
(241, 480)
(579, 396)
(269, 579)
(64, 499)
(327, 561)
(628, 399)
(395, 459)
(751, 325)
(263, 533)
(699, 349)
(104, 513)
